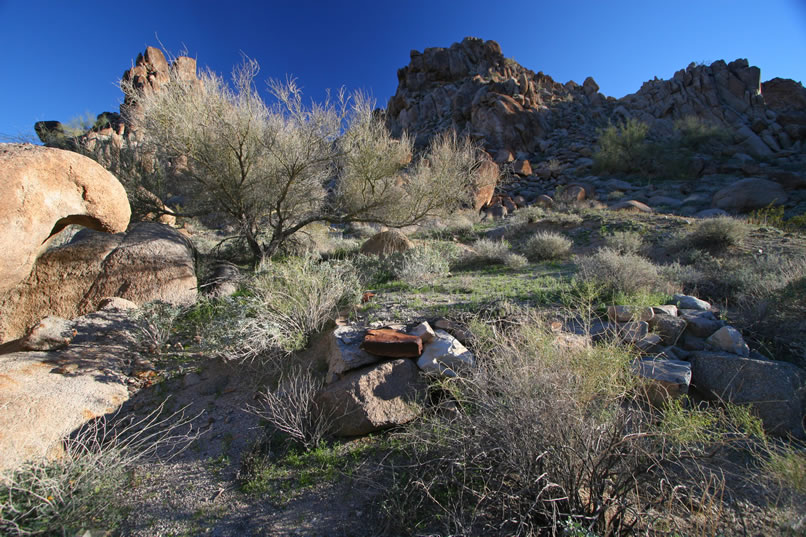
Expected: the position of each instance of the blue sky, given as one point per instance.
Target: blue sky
(61, 59)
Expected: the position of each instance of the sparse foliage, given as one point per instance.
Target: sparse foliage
(545, 245)
(273, 170)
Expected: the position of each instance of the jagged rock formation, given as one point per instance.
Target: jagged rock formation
(112, 129)
(724, 94)
(474, 89)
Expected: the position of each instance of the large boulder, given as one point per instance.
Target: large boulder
(150, 262)
(45, 190)
(45, 396)
(774, 389)
(749, 194)
(373, 398)
(386, 242)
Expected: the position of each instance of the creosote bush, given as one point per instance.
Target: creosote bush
(625, 242)
(544, 432)
(492, 252)
(713, 234)
(545, 245)
(616, 273)
(416, 266)
(280, 308)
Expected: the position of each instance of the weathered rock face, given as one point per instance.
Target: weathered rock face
(150, 262)
(775, 390)
(45, 190)
(787, 99)
(47, 395)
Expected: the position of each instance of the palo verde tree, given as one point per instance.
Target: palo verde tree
(274, 169)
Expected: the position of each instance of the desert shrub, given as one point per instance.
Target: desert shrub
(696, 134)
(543, 432)
(623, 148)
(546, 245)
(713, 234)
(296, 163)
(620, 273)
(77, 491)
(290, 407)
(280, 308)
(625, 242)
(515, 261)
(487, 251)
(416, 266)
(155, 323)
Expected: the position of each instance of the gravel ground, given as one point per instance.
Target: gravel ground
(198, 491)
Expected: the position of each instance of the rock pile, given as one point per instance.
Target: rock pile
(373, 379)
(543, 134)
(684, 345)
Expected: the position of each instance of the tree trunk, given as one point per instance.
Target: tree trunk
(258, 252)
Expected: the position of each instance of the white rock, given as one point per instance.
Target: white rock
(445, 355)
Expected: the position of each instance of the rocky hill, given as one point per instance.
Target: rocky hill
(473, 88)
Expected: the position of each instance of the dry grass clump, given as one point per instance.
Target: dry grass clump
(616, 273)
(417, 266)
(544, 436)
(280, 308)
(545, 245)
(625, 242)
(713, 235)
(77, 491)
(486, 251)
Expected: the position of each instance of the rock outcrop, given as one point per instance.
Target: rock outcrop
(44, 191)
(45, 396)
(150, 262)
(472, 88)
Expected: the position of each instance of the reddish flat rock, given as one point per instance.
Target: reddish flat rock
(392, 343)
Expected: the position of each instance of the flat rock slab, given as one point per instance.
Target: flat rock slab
(345, 352)
(668, 378)
(44, 396)
(391, 343)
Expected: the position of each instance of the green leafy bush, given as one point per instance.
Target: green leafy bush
(623, 148)
(416, 266)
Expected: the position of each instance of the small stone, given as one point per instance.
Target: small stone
(445, 355)
(668, 309)
(629, 313)
(669, 328)
(424, 332)
(632, 332)
(669, 379)
(729, 339)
